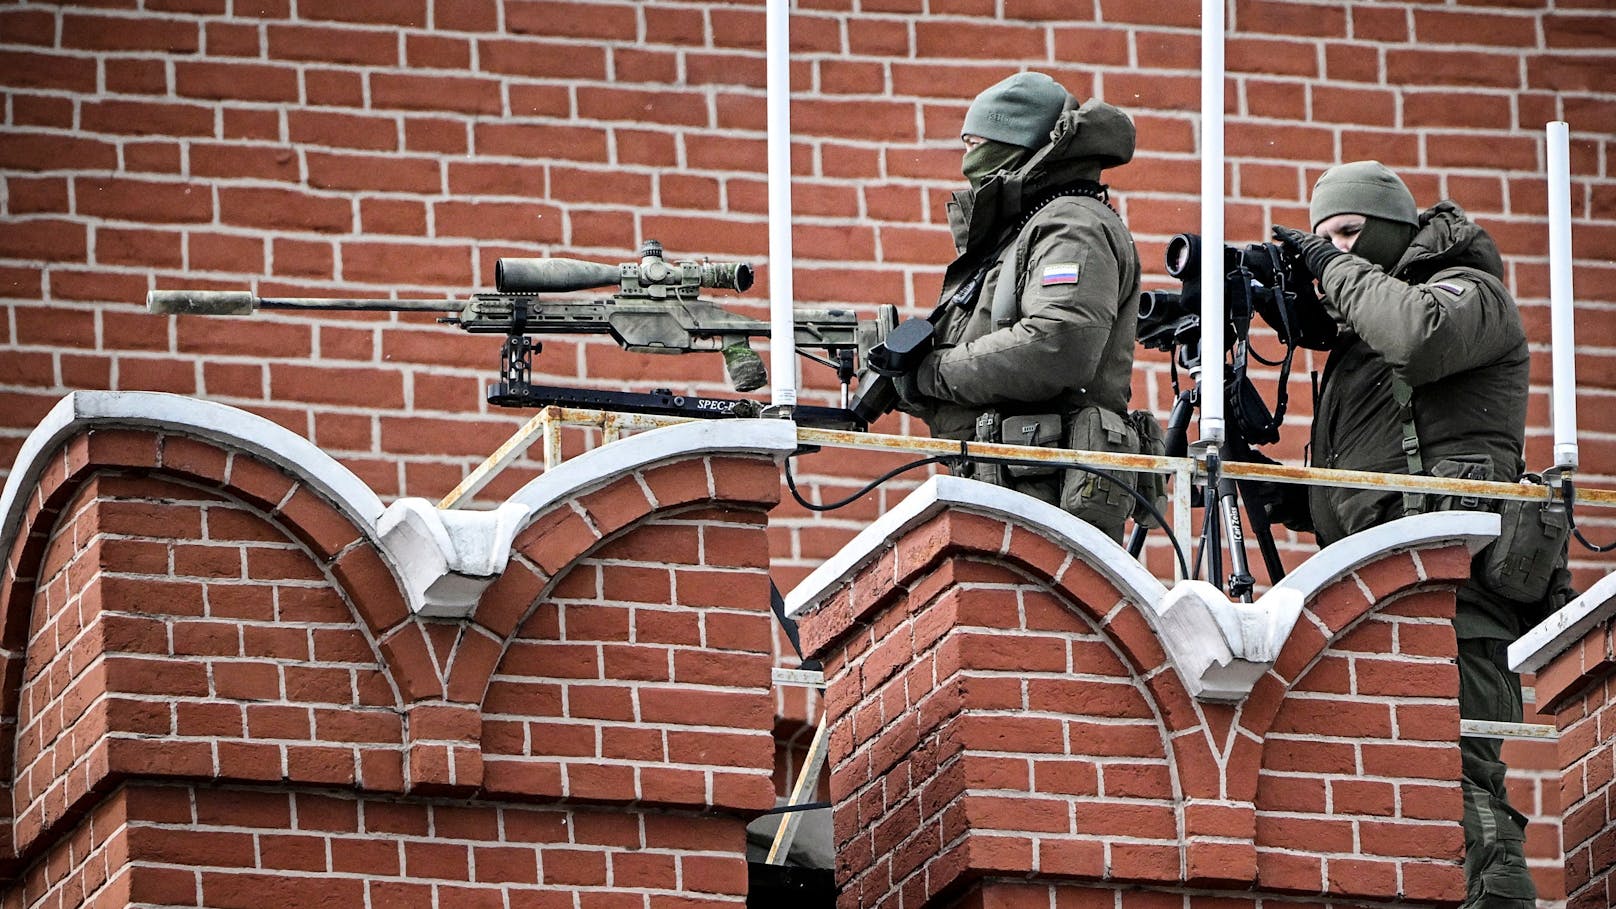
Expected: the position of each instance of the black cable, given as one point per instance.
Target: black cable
(966, 455)
(791, 483)
(791, 809)
(1571, 518)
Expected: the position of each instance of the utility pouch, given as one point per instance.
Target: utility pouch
(1105, 502)
(1152, 486)
(1042, 429)
(1460, 467)
(1531, 547)
(987, 430)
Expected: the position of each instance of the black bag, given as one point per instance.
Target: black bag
(1531, 547)
(1152, 486)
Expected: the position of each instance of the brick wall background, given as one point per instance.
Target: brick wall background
(373, 149)
(1575, 689)
(399, 148)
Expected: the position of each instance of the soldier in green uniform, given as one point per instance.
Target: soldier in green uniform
(1035, 336)
(1430, 349)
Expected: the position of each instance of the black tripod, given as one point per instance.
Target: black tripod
(1220, 495)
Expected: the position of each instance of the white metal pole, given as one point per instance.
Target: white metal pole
(1561, 301)
(782, 329)
(1211, 265)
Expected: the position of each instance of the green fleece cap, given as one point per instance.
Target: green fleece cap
(1362, 188)
(1020, 110)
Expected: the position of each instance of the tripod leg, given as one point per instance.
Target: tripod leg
(1175, 443)
(1136, 539)
(1240, 580)
(1265, 544)
(1212, 530)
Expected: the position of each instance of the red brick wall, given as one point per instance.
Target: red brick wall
(211, 669)
(402, 147)
(1000, 710)
(177, 845)
(1576, 688)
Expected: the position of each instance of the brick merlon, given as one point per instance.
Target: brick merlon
(1220, 649)
(452, 556)
(1561, 631)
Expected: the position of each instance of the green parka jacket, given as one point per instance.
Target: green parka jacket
(1074, 272)
(1445, 322)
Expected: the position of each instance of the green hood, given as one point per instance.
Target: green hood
(1447, 238)
(1085, 141)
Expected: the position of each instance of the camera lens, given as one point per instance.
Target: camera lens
(1183, 254)
(1156, 306)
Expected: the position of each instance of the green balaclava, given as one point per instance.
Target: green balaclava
(1383, 242)
(1368, 188)
(989, 158)
(1016, 116)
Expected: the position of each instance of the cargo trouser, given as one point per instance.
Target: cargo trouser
(1496, 875)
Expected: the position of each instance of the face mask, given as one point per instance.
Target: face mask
(989, 158)
(1383, 242)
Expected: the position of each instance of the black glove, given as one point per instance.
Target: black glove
(1316, 252)
(910, 400)
(1266, 500)
(1277, 503)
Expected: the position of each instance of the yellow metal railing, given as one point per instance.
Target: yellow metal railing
(548, 423)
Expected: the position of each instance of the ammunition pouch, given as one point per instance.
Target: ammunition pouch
(1530, 551)
(1044, 429)
(1152, 487)
(987, 430)
(1461, 467)
(1104, 501)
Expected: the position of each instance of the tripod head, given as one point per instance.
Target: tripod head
(1259, 279)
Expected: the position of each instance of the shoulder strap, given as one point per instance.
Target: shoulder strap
(1403, 394)
(1006, 304)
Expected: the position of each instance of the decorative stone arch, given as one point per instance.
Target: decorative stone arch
(583, 504)
(227, 453)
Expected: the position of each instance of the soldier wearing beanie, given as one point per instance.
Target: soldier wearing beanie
(1035, 326)
(1424, 316)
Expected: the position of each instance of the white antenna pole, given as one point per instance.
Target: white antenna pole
(1211, 265)
(1561, 301)
(782, 327)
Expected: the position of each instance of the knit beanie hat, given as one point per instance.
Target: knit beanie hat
(1020, 110)
(1362, 188)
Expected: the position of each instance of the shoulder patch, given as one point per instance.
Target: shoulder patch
(1060, 273)
(1452, 287)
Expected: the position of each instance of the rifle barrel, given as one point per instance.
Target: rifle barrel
(372, 305)
(241, 303)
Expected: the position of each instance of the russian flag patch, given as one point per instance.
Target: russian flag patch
(1060, 273)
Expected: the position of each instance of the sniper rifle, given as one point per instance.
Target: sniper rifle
(656, 308)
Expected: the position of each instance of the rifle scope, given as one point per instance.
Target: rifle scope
(537, 276)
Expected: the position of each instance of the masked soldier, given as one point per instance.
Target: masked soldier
(1036, 327)
(1428, 374)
